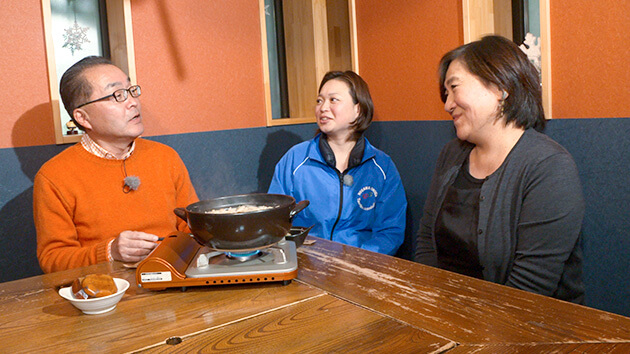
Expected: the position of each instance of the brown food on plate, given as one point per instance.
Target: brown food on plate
(93, 286)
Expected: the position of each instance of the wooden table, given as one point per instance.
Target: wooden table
(344, 300)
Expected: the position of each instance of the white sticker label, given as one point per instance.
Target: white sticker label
(150, 277)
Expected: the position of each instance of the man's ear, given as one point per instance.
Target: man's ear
(82, 118)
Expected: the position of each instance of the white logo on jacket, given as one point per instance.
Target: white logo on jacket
(367, 198)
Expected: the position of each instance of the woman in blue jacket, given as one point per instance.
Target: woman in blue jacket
(355, 192)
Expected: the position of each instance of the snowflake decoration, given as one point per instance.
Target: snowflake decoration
(74, 37)
(531, 47)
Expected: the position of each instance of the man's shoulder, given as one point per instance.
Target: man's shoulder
(155, 148)
(156, 155)
(152, 144)
(62, 165)
(67, 156)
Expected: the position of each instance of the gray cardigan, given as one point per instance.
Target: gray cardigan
(530, 216)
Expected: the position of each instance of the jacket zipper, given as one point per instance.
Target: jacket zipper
(340, 175)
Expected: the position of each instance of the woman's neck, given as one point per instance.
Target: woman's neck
(488, 155)
(341, 148)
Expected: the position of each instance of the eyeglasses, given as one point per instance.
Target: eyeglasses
(119, 95)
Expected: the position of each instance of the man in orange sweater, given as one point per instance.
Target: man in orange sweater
(110, 196)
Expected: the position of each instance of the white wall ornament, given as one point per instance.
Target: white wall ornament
(531, 47)
(74, 37)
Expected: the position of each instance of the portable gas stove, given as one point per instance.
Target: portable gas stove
(180, 261)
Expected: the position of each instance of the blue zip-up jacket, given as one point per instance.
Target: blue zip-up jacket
(369, 213)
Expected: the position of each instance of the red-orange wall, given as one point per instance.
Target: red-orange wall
(590, 58)
(200, 64)
(400, 45)
(24, 94)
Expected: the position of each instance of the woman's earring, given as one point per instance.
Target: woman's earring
(502, 103)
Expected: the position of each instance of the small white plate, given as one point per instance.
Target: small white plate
(97, 305)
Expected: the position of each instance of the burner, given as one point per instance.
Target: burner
(243, 256)
(179, 261)
(210, 262)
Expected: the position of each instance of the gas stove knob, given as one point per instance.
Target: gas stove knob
(202, 260)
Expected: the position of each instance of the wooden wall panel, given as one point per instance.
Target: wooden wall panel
(301, 54)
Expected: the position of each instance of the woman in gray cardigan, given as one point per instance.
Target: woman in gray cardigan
(505, 202)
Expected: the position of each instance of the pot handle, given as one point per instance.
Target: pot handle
(298, 237)
(298, 208)
(303, 231)
(181, 213)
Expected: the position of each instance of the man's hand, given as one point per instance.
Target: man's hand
(133, 246)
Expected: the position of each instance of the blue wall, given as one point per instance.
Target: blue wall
(242, 161)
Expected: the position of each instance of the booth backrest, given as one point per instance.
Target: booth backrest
(242, 161)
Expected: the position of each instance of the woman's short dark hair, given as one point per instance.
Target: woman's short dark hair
(497, 60)
(360, 94)
(74, 87)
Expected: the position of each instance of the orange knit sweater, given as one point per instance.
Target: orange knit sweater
(79, 204)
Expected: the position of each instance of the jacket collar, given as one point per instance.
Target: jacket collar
(320, 151)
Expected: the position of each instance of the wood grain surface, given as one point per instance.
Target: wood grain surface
(464, 309)
(322, 324)
(141, 318)
(534, 348)
(344, 300)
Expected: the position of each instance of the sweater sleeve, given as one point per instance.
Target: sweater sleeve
(426, 252)
(58, 247)
(549, 225)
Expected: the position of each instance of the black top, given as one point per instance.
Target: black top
(456, 226)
